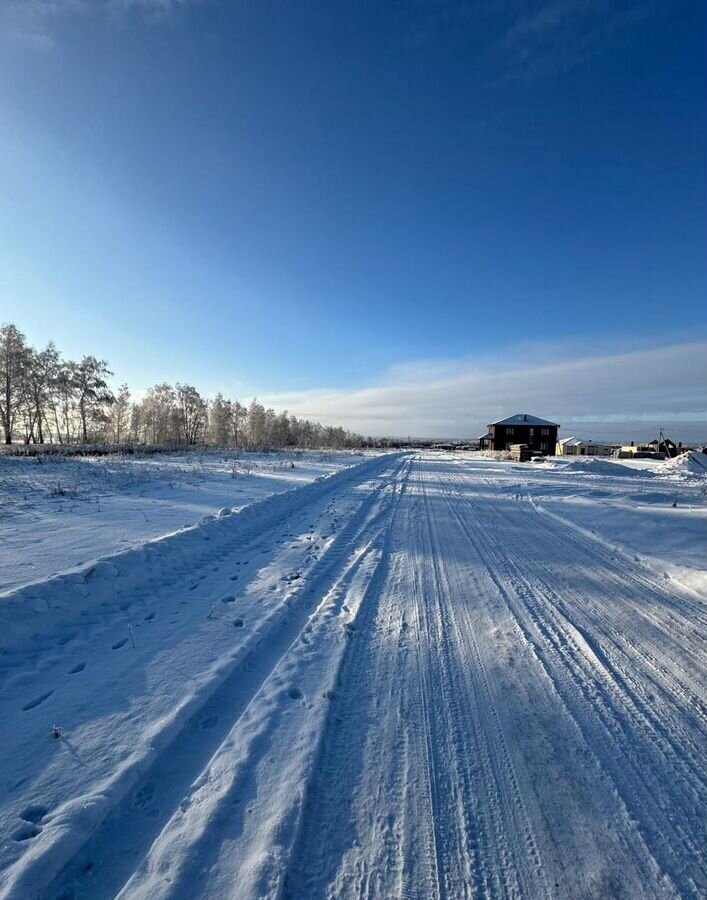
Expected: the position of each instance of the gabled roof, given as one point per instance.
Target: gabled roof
(582, 442)
(485, 437)
(524, 419)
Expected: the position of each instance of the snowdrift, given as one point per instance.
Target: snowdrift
(594, 466)
(691, 463)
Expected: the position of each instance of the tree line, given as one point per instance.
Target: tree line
(45, 398)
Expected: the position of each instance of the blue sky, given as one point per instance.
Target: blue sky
(335, 205)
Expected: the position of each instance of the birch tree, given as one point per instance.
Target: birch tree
(93, 396)
(14, 361)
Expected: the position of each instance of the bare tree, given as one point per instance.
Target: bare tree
(93, 396)
(256, 423)
(43, 396)
(42, 371)
(14, 360)
(239, 415)
(220, 421)
(120, 414)
(192, 411)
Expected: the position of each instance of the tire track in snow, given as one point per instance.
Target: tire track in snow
(335, 856)
(461, 831)
(657, 691)
(508, 862)
(629, 739)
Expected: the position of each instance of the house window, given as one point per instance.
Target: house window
(545, 431)
(509, 431)
(543, 446)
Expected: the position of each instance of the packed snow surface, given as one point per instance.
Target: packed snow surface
(424, 676)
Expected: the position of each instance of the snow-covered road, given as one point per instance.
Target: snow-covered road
(405, 680)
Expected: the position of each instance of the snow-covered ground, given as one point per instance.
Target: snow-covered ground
(427, 676)
(57, 512)
(654, 510)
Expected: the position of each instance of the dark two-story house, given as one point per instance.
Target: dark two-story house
(538, 434)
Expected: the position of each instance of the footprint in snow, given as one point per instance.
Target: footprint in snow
(229, 598)
(79, 667)
(238, 623)
(119, 644)
(149, 617)
(144, 796)
(34, 813)
(26, 832)
(37, 701)
(234, 577)
(208, 722)
(294, 693)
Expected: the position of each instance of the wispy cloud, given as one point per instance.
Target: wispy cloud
(33, 22)
(556, 36)
(602, 396)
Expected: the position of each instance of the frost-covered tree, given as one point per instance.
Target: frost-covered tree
(192, 414)
(239, 417)
(256, 424)
(43, 397)
(14, 363)
(42, 372)
(61, 401)
(220, 415)
(120, 415)
(93, 396)
(158, 415)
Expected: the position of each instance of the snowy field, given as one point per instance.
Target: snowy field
(59, 512)
(423, 676)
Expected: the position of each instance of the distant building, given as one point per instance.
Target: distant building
(574, 446)
(666, 446)
(539, 434)
(639, 451)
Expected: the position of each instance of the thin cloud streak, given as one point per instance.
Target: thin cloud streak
(30, 22)
(605, 396)
(559, 35)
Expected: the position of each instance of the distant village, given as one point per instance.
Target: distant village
(525, 437)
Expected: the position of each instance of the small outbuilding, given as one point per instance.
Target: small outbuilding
(574, 446)
(639, 451)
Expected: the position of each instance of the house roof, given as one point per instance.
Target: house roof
(576, 442)
(524, 419)
(581, 442)
(485, 437)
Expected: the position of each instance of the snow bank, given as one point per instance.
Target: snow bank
(592, 465)
(691, 463)
(31, 617)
